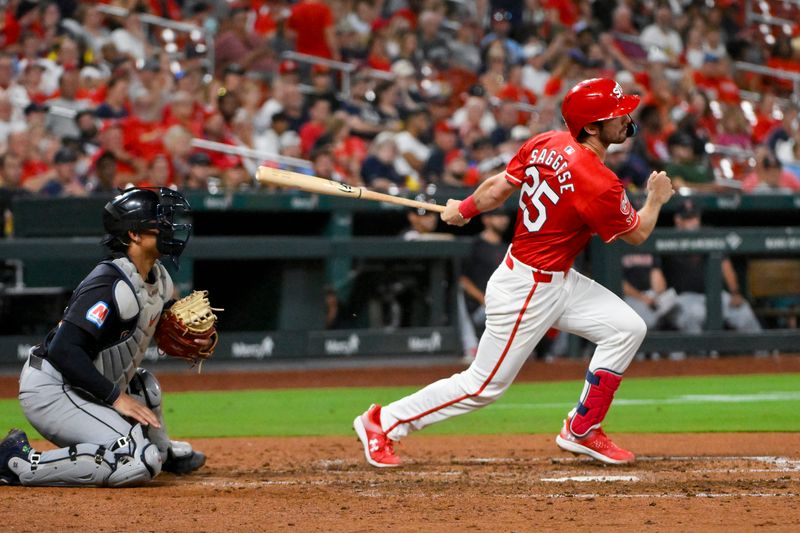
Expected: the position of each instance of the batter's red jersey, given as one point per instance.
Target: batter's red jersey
(567, 195)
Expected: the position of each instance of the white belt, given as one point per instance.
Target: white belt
(538, 275)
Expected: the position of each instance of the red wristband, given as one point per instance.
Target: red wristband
(467, 208)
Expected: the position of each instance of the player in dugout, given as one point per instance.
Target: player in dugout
(83, 388)
(567, 194)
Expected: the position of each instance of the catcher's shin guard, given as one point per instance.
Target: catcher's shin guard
(598, 392)
(131, 460)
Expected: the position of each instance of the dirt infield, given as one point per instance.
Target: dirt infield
(718, 482)
(682, 482)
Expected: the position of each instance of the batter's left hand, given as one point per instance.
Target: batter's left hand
(451, 214)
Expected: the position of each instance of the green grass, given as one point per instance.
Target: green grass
(688, 404)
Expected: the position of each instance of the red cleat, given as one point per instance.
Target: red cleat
(378, 448)
(595, 444)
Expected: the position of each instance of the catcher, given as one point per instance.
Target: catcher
(82, 388)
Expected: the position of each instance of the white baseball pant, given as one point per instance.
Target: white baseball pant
(522, 304)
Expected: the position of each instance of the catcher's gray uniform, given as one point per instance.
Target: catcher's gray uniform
(100, 446)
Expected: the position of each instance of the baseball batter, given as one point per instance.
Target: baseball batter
(82, 388)
(566, 194)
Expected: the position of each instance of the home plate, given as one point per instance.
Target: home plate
(589, 479)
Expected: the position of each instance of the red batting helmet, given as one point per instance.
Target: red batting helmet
(595, 99)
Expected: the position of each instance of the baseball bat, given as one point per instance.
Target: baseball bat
(287, 178)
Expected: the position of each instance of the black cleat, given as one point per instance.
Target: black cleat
(15, 445)
(183, 465)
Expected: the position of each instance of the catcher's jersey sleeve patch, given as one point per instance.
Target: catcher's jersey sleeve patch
(125, 300)
(98, 313)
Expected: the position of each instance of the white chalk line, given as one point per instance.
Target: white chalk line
(589, 479)
(781, 396)
(374, 493)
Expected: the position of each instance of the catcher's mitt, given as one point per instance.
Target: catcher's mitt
(184, 325)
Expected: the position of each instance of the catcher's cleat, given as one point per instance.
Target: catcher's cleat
(15, 445)
(595, 444)
(183, 465)
(378, 447)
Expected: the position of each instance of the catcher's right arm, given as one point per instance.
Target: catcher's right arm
(187, 330)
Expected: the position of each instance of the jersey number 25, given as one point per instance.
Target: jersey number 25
(530, 200)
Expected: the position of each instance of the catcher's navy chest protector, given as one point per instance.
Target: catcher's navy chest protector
(119, 361)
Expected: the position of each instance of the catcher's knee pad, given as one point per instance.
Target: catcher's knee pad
(598, 392)
(137, 460)
(145, 385)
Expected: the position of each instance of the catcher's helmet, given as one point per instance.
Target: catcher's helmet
(142, 209)
(593, 100)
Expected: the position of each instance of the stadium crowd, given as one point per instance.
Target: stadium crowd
(413, 92)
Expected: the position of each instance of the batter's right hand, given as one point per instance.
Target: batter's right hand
(127, 406)
(659, 187)
(451, 214)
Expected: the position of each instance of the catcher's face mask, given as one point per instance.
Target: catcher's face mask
(172, 233)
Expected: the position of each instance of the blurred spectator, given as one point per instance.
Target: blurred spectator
(457, 170)
(112, 140)
(788, 149)
(131, 39)
(686, 274)
(103, 178)
(35, 115)
(364, 120)
(474, 120)
(236, 178)
(412, 151)
(236, 43)
(622, 26)
(495, 76)
(714, 79)
(200, 171)
(378, 171)
(322, 86)
(64, 179)
(183, 111)
(500, 26)
(464, 53)
(408, 50)
(734, 130)
(290, 144)
(684, 167)
(269, 141)
(349, 151)
(9, 119)
(324, 167)
(88, 26)
(430, 37)
(631, 168)
(661, 34)
(319, 114)
(534, 72)
(311, 22)
(116, 103)
(10, 171)
(769, 177)
(444, 141)
(157, 173)
(408, 96)
(507, 118)
(87, 131)
(385, 105)
(62, 109)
